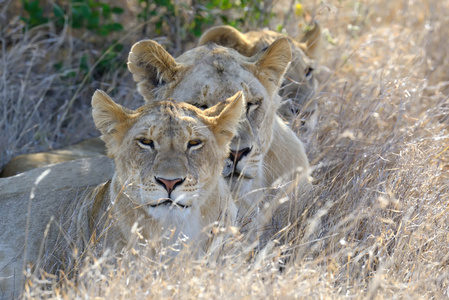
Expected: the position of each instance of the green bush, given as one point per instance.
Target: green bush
(195, 18)
(179, 21)
(95, 16)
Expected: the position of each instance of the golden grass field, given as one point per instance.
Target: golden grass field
(377, 225)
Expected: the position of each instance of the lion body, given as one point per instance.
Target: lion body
(37, 213)
(47, 215)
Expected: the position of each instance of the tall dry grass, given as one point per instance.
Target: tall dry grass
(45, 95)
(376, 225)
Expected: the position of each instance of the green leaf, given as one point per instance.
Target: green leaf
(58, 66)
(117, 10)
(119, 47)
(33, 6)
(58, 11)
(81, 10)
(115, 27)
(225, 5)
(93, 21)
(108, 28)
(105, 11)
(26, 20)
(84, 63)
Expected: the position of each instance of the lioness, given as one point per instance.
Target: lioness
(299, 83)
(168, 160)
(265, 149)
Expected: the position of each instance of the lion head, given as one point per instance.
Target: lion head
(264, 149)
(299, 83)
(168, 157)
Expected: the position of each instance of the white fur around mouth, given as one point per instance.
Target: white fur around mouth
(168, 202)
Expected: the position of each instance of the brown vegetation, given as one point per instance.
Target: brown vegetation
(377, 224)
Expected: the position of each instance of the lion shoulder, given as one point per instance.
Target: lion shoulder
(25, 162)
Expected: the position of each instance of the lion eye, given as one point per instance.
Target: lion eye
(146, 142)
(254, 103)
(201, 106)
(193, 143)
(308, 71)
(250, 107)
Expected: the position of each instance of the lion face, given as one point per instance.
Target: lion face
(298, 88)
(168, 155)
(299, 84)
(207, 74)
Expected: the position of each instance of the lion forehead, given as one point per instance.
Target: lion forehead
(207, 84)
(210, 53)
(175, 125)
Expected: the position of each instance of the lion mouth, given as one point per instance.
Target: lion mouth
(168, 202)
(231, 172)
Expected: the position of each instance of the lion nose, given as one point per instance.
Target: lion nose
(236, 156)
(169, 184)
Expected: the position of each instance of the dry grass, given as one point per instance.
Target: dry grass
(377, 225)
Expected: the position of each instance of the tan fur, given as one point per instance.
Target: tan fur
(22, 163)
(298, 86)
(104, 215)
(205, 75)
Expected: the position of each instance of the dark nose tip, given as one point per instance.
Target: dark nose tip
(236, 156)
(169, 184)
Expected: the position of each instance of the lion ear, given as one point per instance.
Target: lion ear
(225, 125)
(151, 66)
(227, 36)
(111, 119)
(311, 41)
(274, 61)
